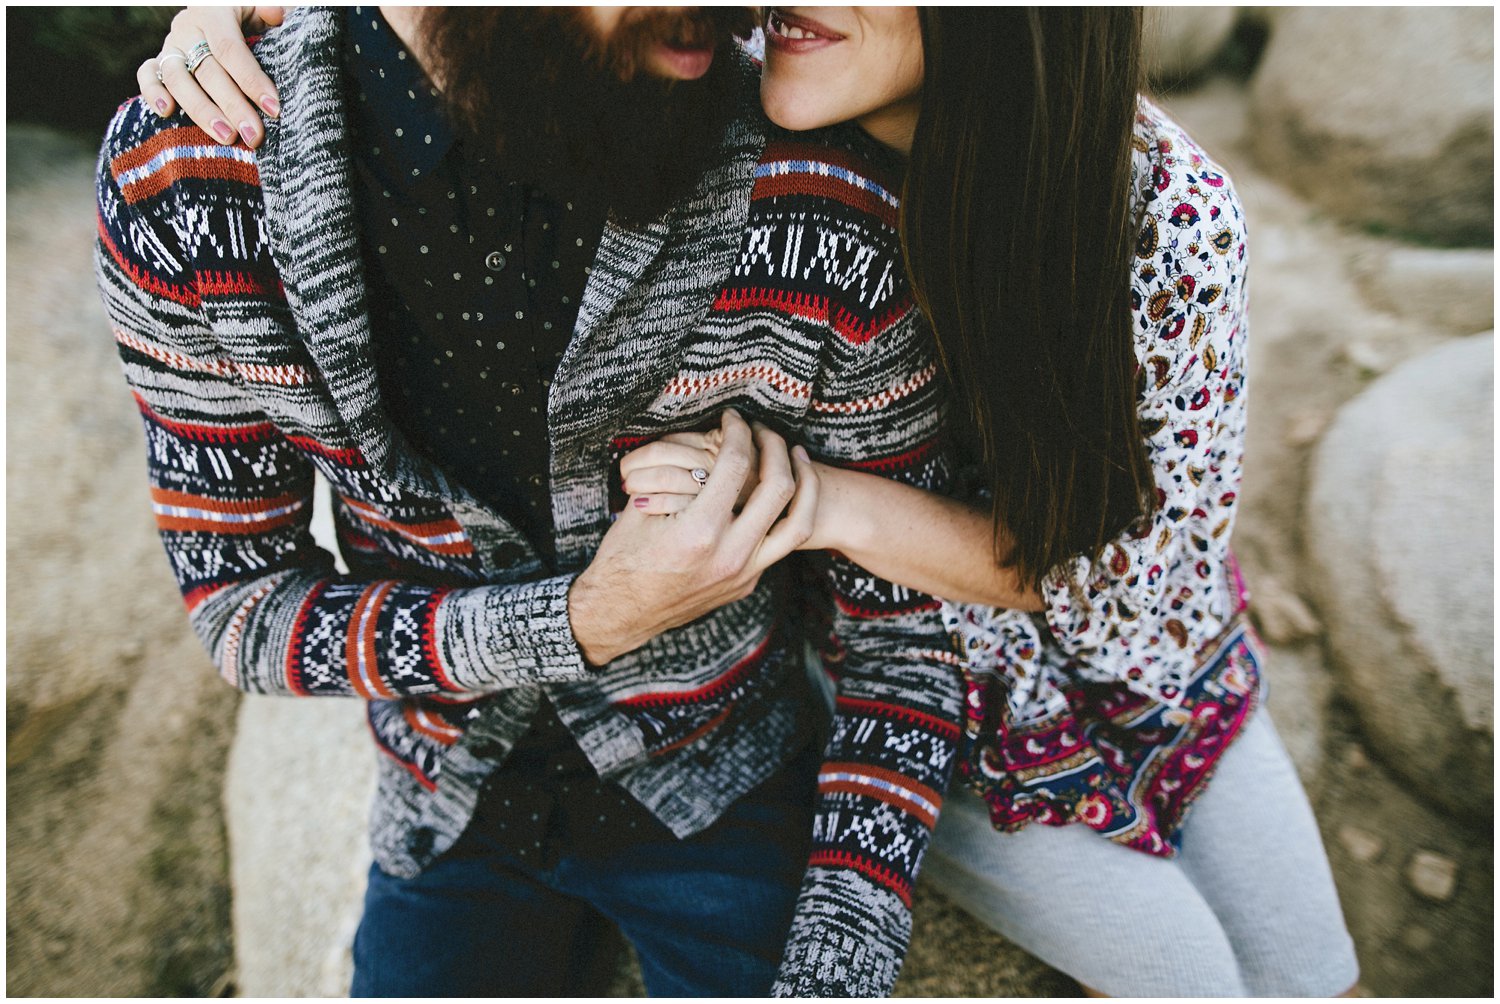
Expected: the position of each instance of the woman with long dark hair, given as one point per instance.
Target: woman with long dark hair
(1082, 264)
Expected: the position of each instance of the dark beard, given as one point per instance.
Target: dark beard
(579, 118)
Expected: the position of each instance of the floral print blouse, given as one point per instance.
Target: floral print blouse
(1111, 707)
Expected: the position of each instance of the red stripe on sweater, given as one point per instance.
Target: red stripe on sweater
(725, 680)
(900, 462)
(429, 640)
(257, 432)
(426, 724)
(792, 150)
(345, 456)
(142, 154)
(879, 795)
(873, 614)
(294, 678)
(143, 279)
(237, 284)
(879, 709)
(189, 501)
(828, 187)
(697, 733)
(858, 332)
(876, 872)
(411, 768)
(797, 304)
(198, 594)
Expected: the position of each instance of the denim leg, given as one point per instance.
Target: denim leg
(709, 915)
(473, 926)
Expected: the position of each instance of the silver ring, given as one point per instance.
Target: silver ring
(196, 55)
(162, 57)
(700, 475)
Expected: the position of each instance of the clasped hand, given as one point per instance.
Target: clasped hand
(681, 549)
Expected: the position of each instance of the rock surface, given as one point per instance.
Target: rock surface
(116, 724)
(1451, 287)
(1385, 119)
(1400, 529)
(1180, 42)
(1410, 945)
(297, 798)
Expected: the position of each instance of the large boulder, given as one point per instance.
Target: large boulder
(297, 797)
(1451, 287)
(1383, 116)
(1180, 42)
(1401, 536)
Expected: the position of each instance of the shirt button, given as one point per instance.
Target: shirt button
(494, 261)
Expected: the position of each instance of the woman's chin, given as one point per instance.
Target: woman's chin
(794, 115)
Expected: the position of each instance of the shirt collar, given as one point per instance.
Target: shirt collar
(397, 97)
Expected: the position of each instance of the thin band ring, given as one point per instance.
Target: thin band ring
(163, 56)
(196, 55)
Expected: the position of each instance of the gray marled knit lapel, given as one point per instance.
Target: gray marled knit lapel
(307, 176)
(651, 286)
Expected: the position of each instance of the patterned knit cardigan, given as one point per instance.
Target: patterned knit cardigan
(233, 283)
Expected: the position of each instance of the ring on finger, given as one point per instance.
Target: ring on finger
(196, 55)
(165, 55)
(700, 475)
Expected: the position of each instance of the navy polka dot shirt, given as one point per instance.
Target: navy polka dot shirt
(475, 281)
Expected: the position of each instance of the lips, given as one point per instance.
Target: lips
(793, 33)
(686, 64)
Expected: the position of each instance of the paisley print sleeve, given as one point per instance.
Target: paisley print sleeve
(1158, 594)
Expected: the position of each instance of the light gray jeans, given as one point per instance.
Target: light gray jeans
(1248, 908)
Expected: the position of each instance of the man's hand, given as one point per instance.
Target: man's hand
(218, 96)
(654, 573)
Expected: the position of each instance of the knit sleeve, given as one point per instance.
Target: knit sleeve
(1159, 593)
(232, 492)
(897, 705)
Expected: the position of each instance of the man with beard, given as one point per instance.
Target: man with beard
(461, 314)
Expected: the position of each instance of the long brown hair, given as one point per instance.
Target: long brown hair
(1019, 238)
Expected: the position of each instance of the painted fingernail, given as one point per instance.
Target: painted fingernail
(161, 106)
(247, 133)
(222, 130)
(270, 104)
(642, 502)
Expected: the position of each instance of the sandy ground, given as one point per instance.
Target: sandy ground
(117, 729)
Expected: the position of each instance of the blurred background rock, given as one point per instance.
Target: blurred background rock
(144, 858)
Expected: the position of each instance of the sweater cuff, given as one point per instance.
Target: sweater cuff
(848, 938)
(492, 637)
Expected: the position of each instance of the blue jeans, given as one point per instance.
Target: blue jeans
(708, 915)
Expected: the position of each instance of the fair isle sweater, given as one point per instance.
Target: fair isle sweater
(233, 283)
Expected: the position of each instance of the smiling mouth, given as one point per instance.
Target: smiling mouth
(790, 33)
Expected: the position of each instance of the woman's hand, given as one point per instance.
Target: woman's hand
(218, 96)
(660, 476)
(652, 574)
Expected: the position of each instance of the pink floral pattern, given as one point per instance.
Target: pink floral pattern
(1111, 707)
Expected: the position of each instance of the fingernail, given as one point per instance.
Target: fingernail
(270, 104)
(222, 130)
(642, 501)
(161, 106)
(247, 133)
